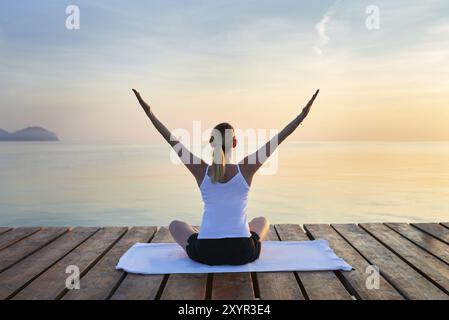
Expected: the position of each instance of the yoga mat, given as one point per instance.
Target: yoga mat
(170, 258)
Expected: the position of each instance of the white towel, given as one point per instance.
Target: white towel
(170, 258)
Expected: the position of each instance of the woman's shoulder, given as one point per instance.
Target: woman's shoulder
(200, 171)
(246, 172)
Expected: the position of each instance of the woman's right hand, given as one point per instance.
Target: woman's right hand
(306, 109)
(145, 106)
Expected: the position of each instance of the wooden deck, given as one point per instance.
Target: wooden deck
(413, 260)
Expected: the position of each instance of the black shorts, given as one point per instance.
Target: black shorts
(232, 251)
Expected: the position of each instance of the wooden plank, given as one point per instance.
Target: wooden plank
(15, 235)
(423, 240)
(313, 281)
(232, 286)
(433, 268)
(102, 279)
(27, 246)
(445, 224)
(143, 287)
(185, 286)
(409, 282)
(51, 284)
(4, 229)
(278, 285)
(19, 275)
(434, 229)
(356, 279)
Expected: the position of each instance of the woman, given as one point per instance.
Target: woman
(225, 236)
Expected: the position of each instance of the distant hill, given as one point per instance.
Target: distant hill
(4, 134)
(28, 134)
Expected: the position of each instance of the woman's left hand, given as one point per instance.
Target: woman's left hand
(142, 102)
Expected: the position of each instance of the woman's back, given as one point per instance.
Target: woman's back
(225, 206)
(227, 237)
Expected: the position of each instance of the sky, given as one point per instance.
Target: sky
(253, 63)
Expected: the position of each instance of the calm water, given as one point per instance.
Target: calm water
(123, 184)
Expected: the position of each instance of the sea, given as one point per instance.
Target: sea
(134, 184)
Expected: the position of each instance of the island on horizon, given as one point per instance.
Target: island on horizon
(28, 134)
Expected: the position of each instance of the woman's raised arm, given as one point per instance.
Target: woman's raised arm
(254, 161)
(195, 165)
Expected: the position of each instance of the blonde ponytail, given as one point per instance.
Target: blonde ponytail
(218, 165)
(221, 144)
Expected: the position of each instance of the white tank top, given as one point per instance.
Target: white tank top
(224, 208)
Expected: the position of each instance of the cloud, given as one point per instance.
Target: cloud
(322, 29)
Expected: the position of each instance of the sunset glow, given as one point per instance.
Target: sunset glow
(227, 61)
